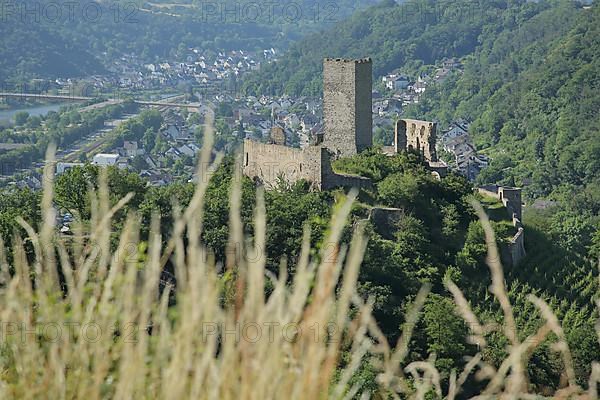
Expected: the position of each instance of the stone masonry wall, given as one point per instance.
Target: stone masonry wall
(331, 179)
(516, 247)
(412, 134)
(268, 162)
(347, 105)
(511, 199)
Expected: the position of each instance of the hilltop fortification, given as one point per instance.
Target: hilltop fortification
(348, 125)
(348, 131)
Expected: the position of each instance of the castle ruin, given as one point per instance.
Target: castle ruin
(415, 135)
(418, 136)
(348, 131)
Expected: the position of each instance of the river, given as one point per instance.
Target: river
(6, 115)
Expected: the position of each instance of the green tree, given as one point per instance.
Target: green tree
(445, 332)
(399, 190)
(21, 118)
(34, 121)
(149, 139)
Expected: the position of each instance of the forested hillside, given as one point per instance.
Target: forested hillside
(533, 94)
(395, 35)
(536, 106)
(84, 43)
(43, 39)
(36, 50)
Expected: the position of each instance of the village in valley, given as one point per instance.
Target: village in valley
(212, 82)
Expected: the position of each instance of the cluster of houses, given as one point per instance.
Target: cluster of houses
(297, 118)
(156, 165)
(204, 70)
(407, 90)
(457, 142)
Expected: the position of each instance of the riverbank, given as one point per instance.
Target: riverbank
(39, 109)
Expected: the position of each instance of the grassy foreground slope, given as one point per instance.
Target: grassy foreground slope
(173, 268)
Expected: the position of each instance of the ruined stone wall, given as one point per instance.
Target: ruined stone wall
(412, 134)
(347, 103)
(331, 179)
(314, 159)
(511, 199)
(318, 157)
(268, 162)
(516, 247)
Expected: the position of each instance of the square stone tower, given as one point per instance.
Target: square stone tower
(347, 105)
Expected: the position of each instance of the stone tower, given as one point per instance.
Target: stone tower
(347, 109)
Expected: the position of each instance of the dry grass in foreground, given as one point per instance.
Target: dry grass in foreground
(108, 332)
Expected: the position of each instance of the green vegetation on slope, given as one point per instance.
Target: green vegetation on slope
(434, 237)
(406, 35)
(533, 94)
(536, 105)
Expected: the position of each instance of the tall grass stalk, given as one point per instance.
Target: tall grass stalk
(83, 321)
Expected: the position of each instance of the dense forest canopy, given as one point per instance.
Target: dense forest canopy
(406, 35)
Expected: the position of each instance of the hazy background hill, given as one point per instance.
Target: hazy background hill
(44, 39)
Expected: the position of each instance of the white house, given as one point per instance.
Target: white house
(456, 130)
(105, 160)
(397, 82)
(419, 87)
